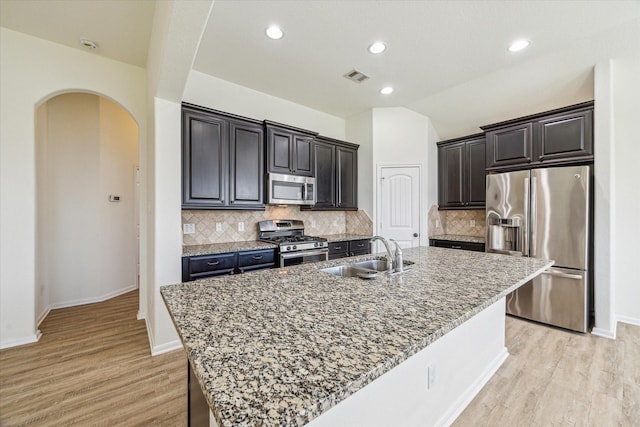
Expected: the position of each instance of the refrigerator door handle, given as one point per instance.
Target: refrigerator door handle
(534, 216)
(563, 275)
(525, 246)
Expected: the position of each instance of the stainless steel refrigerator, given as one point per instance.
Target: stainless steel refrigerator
(545, 213)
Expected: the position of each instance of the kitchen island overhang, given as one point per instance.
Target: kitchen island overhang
(283, 346)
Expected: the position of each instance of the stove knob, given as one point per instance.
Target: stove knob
(315, 245)
(289, 248)
(295, 247)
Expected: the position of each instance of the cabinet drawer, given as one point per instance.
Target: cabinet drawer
(338, 250)
(339, 247)
(254, 260)
(198, 267)
(452, 244)
(359, 247)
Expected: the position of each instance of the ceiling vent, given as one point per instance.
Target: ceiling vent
(356, 76)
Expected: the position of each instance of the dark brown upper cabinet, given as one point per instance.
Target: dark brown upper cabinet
(461, 173)
(289, 149)
(554, 137)
(336, 173)
(222, 160)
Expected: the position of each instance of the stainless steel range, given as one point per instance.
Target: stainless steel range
(294, 246)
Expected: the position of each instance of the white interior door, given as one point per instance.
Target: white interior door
(399, 204)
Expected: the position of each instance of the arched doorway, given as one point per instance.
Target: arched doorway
(87, 208)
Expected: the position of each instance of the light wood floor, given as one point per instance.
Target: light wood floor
(92, 367)
(558, 378)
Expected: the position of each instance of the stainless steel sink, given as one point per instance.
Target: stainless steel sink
(368, 269)
(349, 270)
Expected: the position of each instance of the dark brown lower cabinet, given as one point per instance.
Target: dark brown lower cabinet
(203, 266)
(453, 244)
(345, 248)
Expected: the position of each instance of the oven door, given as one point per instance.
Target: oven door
(303, 257)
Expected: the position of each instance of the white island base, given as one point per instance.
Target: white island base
(435, 385)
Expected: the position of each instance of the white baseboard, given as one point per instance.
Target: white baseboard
(21, 341)
(465, 399)
(141, 315)
(162, 348)
(44, 314)
(605, 333)
(630, 320)
(166, 348)
(93, 300)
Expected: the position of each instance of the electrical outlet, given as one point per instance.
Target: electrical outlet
(188, 228)
(241, 226)
(218, 227)
(437, 223)
(313, 223)
(431, 376)
(472, 222)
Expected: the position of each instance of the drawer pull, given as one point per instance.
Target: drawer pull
(337, 248)
(360, 245)
(257, 257)
(456, 247)
(213, 263)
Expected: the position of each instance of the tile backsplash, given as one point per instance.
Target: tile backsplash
(315, 223)
(457, 222)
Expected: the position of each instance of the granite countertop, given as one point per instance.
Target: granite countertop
(344, 237)
(459, 238)
(282, 346)
(220, 248)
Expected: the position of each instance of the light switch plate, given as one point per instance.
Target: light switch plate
(472, 222)
(241, 226)
(218, 227)
(188, 228)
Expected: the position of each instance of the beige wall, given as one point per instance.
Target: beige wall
(31, 71)
(87, 245)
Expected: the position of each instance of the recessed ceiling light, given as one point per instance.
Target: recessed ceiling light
(89, 44)
(518, 45)
(377, 47)
(386, 90)
(274, 32)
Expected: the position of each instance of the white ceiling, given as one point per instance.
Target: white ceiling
(121, 28)
(446, 59)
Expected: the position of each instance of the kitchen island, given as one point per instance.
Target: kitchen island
(293, 345)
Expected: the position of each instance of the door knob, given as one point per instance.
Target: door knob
(415, 234)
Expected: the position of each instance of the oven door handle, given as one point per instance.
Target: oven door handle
(303, 253)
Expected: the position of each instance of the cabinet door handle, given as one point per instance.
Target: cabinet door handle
(456, 247)
(213, 263)
(337, 248)
(257, 257)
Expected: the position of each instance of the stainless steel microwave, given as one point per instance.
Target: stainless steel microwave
(291, 189)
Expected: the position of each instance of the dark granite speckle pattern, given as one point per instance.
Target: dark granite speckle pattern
(459, 238)
(344, 237)
(220, 248)
(282, 346)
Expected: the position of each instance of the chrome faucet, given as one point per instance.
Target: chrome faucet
(397, 259)
(386, 246)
